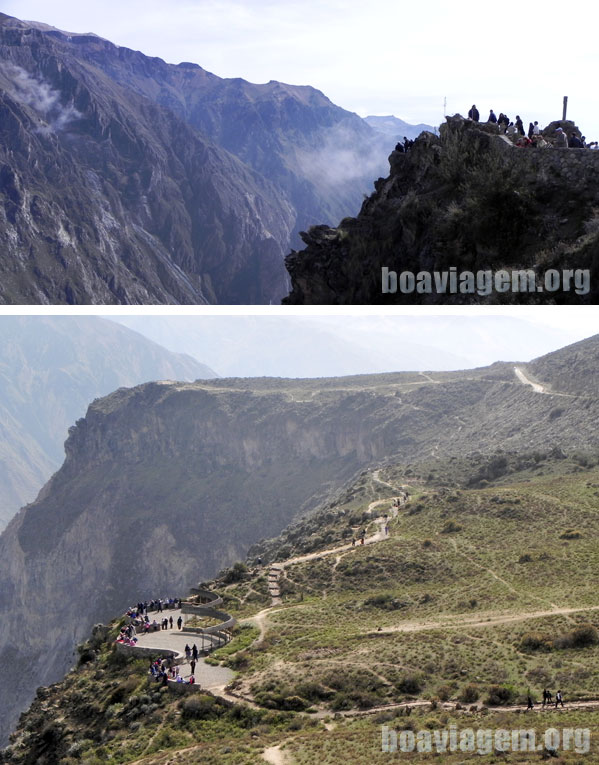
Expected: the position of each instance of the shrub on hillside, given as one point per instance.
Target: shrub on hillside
(535, 641)
(200, 707)
(410, 683)
(580, 637)
(571, 534)
(386, 601)
(236, 573)
(469, 694)
(499, 695)
(450, 527)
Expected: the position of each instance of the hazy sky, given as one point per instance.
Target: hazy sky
(376, 57)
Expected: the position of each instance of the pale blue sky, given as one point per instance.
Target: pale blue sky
(378, 57)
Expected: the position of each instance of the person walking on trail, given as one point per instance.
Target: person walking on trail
(179, 622)
(171, 621)
(559, 699)
(187, 652)
(529, 704)
(353, 541)
(473, 114)
(193, 666)
(547, 697)
(194, 652)
(386, 529)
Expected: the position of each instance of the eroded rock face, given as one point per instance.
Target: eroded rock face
(468, 199)
(166, 483)
(128, 180)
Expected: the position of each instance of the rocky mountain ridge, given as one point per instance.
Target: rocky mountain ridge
(129, 180)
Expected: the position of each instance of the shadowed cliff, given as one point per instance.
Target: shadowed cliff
(468, 199)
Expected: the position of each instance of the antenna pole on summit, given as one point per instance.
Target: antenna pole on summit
(565, 107)
(445, 106)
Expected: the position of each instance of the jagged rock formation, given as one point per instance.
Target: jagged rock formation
(51, 367)
(469, 199)
(128, 180)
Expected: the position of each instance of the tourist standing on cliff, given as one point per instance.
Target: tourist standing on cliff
(519, 125)
(561, 139)
(492, 117)
(473, 113)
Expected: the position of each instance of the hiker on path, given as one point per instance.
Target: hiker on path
(353, 542)
(559, 699)
(529, 704)
(193, 666)
(473, 114)
(171, 621)
(187, 652)
(194, 652)
(179, 622)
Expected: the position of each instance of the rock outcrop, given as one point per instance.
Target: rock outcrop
(469, 199)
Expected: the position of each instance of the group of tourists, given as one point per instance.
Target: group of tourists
(405, 145)
(128, 635)
(158, 604)
(547, 699)
(164, 669)
(532, 137)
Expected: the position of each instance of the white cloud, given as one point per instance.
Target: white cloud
(40, 96)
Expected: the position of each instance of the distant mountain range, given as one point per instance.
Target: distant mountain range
(330, 346)
(51, 368)
(125, 179)
(393, 126)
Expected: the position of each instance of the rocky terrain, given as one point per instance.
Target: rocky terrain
(125, 179)
(51, 367)
(168, 482)
(470, 199)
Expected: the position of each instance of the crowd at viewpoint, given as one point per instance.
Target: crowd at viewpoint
(532, 137)
(139, 620)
